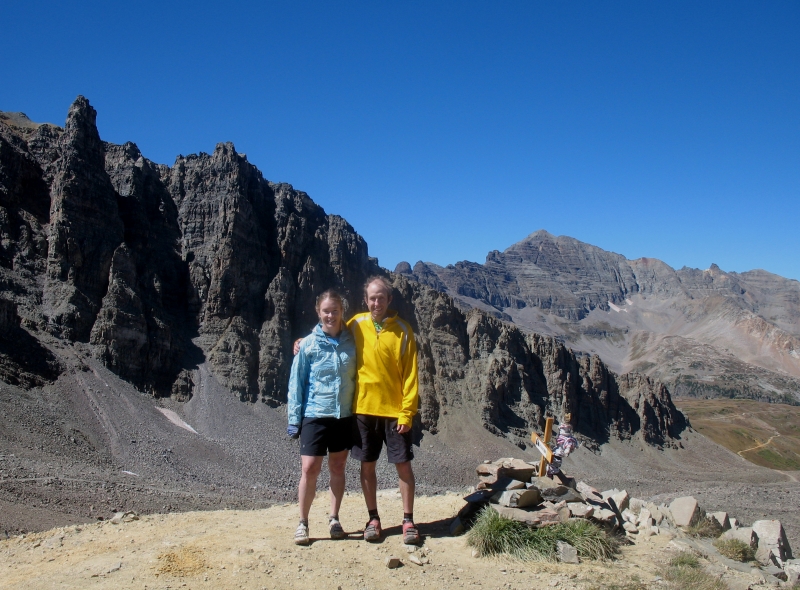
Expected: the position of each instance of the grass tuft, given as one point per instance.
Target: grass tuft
(492, 534)
(705, 527)
(735, 549)
(684, 571)
(685, 559)
(696, 578)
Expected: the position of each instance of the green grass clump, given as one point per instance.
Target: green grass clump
(705, 527)
(735, 549)
(684, 571)
(492, 534)
(685, 559)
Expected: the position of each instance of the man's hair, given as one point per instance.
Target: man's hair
(331, 294)
(383, 281)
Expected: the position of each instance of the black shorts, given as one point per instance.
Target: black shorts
(369, 434)
(318, 436)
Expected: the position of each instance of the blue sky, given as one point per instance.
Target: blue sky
(444, 130)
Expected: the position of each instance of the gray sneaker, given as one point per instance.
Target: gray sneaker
(301, 535)
(337, 532)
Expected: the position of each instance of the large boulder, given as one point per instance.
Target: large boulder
(772, 541)
(685, 511)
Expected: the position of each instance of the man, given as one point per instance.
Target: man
(386, 401)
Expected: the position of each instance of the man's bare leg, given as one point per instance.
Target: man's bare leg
(369, 484)
(407, 485)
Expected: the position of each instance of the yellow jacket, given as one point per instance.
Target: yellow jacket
(387, 382)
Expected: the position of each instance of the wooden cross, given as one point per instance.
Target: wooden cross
(542, 446)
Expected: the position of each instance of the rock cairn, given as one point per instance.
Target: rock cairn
(513, 489)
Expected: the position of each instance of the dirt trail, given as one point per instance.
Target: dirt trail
(253, 549)
(764, 444)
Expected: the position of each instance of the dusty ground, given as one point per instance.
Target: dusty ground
(253, 549)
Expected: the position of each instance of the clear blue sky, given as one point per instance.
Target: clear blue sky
(444, 130)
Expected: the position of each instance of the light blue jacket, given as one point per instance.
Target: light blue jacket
(323, 377)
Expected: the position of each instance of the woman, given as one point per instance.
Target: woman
(321, 389)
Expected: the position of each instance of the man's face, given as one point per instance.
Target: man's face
(377, 300)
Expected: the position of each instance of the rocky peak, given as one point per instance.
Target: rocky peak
(163, 268)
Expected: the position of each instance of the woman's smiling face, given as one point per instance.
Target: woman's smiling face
(330, 316)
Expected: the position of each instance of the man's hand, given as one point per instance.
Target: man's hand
(296, 348)
(293, 431)
(402, 428)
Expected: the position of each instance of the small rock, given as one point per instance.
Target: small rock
(566, 553)
(604, 515)
(414, 559)
(791, 568)
(518, 498)
(636, 505)
(515, 484)
(589, 494)
(776, 571)
(630, 527)
(722, 519)
(531, 518)
(117, 518)
(393, 562)
(621, 499)
(580, 509)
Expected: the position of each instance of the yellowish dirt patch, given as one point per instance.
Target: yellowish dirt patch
(183, 562)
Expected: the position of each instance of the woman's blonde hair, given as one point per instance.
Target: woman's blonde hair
(331, 294)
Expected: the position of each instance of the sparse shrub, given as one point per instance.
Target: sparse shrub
(696, 578)
(684, 572)
(685, 559)
(705, 527)
(492, 534)
(735, 549)
(630, 585)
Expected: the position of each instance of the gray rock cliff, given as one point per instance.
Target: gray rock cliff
(160, 268)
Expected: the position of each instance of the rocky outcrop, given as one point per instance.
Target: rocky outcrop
(161, 268)
(599, 300)
(257, 255)
(85, 228)
(512, 380)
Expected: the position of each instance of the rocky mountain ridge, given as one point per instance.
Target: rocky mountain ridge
(159, 269)
(702, 332)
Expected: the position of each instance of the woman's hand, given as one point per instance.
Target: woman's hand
(296, 347)
(403, 428)
(293, 430)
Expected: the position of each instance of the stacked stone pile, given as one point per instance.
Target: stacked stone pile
(514, 490)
